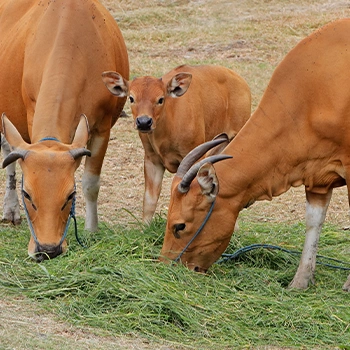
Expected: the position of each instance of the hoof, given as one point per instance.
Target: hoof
(15, 222)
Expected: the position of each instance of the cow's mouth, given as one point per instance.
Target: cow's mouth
(196, 268)
(144, 131)
(45, 252)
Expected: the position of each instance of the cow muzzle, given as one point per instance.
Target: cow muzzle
(144, 123)
(45, 252)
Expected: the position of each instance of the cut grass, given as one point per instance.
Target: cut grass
(116, 285)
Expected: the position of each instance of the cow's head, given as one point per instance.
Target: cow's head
(48, 186)
(147, 95)
(194, 193)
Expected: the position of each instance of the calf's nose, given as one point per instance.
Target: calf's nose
(144, 123)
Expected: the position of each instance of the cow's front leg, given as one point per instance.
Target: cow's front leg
(91, 177)
(11, 211)
(154, 172)
(316, 209)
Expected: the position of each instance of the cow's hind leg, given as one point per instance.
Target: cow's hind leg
(11, 211)
(316, 209)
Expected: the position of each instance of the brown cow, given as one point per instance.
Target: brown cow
(218, 100)
(52, 54)
(298, 135)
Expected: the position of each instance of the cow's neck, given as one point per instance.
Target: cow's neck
(169, 149)
(56, 97)
(274, 151)
(58, 122)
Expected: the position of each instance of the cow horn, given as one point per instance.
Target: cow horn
(79, 152)
(195, 154)
(185, 183)
(13, 156)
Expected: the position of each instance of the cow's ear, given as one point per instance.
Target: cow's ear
(11, 134)
(179, 84)
(208, 181)
(82, 133)
(115, 83)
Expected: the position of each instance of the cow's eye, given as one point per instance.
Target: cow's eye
(178, 228)
(69, 198)
(27, 197)
(161, 101)
(131, 99)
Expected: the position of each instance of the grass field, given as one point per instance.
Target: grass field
(113, 294)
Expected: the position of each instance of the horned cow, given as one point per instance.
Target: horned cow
(298, 135)
(174, 114)
(52, 54)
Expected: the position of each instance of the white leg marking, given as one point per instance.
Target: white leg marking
(11, 211)
(315, 215)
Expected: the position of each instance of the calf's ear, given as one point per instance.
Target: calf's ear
(179, 84)
(115, 83)
(208, 181)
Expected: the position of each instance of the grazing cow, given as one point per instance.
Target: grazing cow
(298, 135)
(217, 101)
(52, 54)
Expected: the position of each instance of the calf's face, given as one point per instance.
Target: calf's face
(147, 95)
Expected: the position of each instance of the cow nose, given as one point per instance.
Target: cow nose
(144, 123)
(43, 252)
(199, 269)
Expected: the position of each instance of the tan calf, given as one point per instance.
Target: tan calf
(177, 112)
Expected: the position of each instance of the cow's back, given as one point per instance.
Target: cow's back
(312, 84)
(14, 19)
(218, 100)
(54, 53)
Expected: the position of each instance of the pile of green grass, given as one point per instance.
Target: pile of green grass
(117, 286)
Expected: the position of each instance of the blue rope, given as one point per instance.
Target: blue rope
(49, 138)
(72, 215)
(237, 253)
(198, 231)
